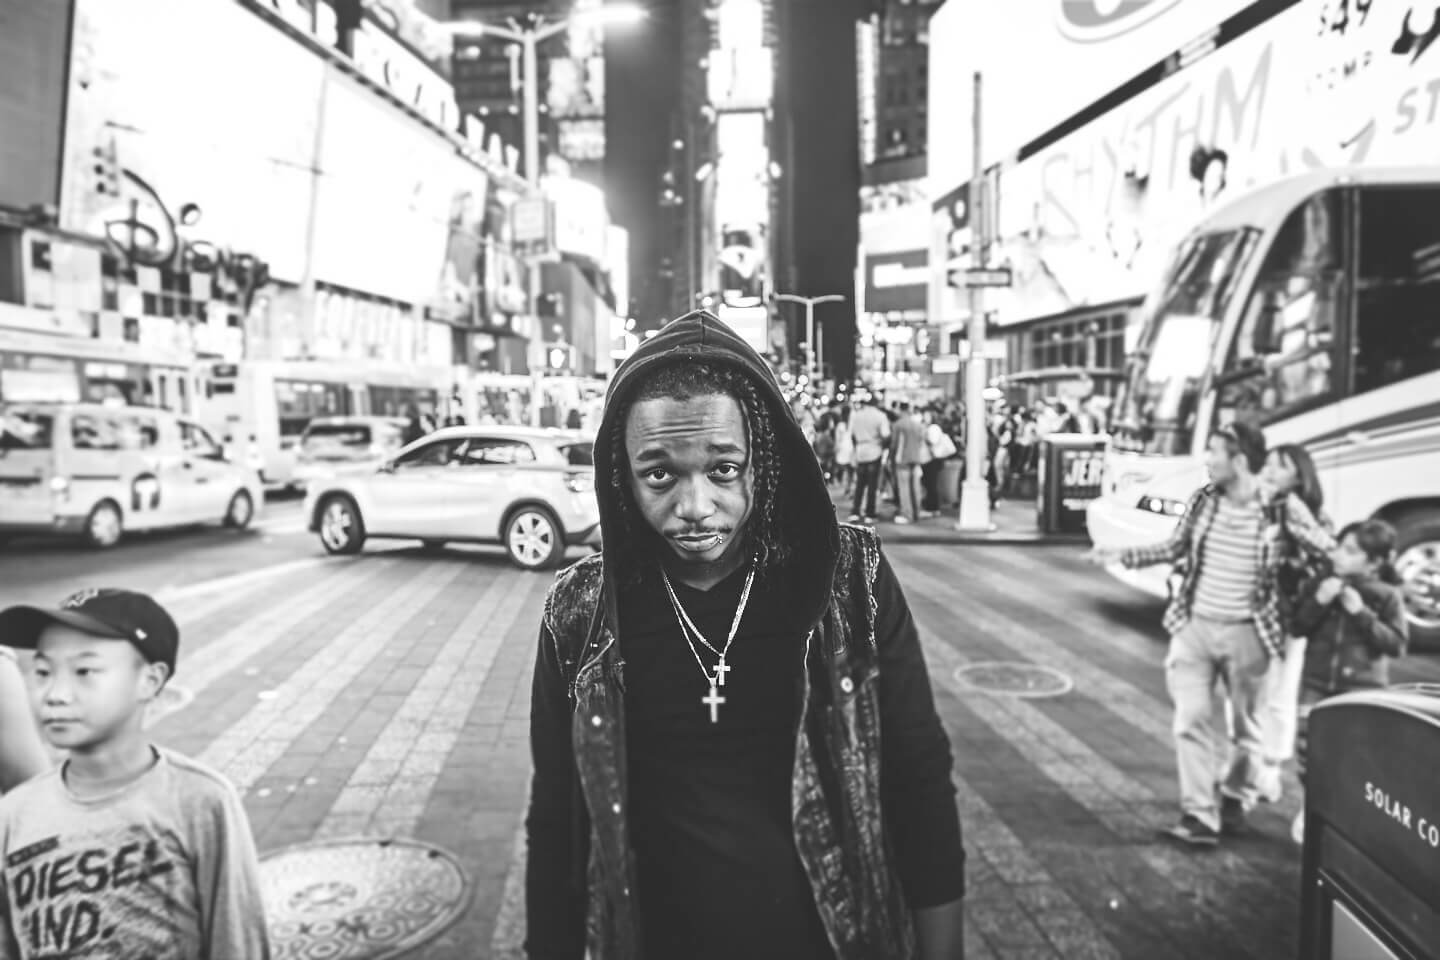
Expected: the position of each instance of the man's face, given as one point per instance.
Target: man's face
(1222, 466)
(690, 474)
(85, 689)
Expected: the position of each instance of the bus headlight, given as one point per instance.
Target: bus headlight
(1166, 508)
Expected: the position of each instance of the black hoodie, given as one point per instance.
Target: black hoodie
(804, 499)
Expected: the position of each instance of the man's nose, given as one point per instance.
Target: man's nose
(695, 502)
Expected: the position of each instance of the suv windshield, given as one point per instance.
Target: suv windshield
(25, 428)
(1161, 395)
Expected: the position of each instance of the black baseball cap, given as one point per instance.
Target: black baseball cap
(115, 614)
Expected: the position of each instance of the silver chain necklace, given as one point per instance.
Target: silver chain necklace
(713, 699)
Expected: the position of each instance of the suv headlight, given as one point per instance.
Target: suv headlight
(1166, 508)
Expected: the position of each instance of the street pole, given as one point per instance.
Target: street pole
(530, 109)
(810, 336)
(975, 493)
(812, 365)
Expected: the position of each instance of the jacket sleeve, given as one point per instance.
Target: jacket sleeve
(1173, 547)
(1385, 631)
(917, 794)
(1309, 612)
(1309, 533)
(554, 897)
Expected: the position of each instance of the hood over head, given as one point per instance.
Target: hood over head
(808, 518)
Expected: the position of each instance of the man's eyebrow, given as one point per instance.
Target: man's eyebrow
(656, 454)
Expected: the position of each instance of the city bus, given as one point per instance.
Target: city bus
(1311, 308)
(260, 408)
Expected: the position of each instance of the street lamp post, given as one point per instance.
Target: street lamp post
(529, 36)
(810, 341)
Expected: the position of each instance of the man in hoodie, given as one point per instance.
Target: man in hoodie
(736, 749)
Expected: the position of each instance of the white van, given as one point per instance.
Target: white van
(97, 471)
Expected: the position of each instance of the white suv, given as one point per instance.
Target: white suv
(531, 490)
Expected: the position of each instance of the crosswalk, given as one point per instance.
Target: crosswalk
(386, 695)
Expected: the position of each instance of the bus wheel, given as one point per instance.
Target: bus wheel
(533, 539)
(1418, 563)
(240, 512)
(341, 529)
(104, 526)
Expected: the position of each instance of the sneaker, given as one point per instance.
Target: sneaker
(1297, 828)
(1270, 783)
(853, 518)
(901, 518)
(1191, 832)
(1232, 816)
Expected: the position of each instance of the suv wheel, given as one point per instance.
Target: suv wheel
(533, 539)
(105, 526)
(241, 511)
(341, 529)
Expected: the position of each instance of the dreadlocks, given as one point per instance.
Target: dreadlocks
(684, 381)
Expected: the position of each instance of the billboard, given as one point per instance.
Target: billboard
(34, 40)
(1091, 218)
(895, 282)
(1042, 62)
(582, 220)
(742, 207)
(160, 141)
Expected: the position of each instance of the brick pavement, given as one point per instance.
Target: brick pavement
(387, 695)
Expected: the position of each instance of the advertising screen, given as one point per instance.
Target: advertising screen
(32, 75)
(156, 127)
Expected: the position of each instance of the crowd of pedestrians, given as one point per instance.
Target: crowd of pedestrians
(895, 451)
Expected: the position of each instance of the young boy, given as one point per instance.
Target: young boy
(126, 850)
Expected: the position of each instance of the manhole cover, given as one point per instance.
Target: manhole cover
(359, 899)
(1014, 679)
(172, 698)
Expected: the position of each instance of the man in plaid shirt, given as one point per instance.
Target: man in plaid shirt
(1224, 624)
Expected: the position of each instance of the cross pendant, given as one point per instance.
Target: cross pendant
(713, 701)
(720, 671)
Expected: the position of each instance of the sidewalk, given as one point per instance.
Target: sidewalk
(1014, 523)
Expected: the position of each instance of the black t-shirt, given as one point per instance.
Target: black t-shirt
(719, 875)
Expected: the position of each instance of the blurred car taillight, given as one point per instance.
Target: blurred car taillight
(580, 482)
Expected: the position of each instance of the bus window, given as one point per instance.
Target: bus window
(1282, 357)
(1162, 392)
(1398, 289)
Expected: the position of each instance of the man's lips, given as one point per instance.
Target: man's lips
(700, 541)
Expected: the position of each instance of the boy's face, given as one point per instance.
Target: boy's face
(87, 689)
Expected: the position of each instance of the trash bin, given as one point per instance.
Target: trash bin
(1371, 866)
(1069, 478)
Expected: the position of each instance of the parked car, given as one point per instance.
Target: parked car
(531, 490)
(335, 446)
(100, 471)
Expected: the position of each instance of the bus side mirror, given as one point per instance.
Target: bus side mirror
(1265, 341)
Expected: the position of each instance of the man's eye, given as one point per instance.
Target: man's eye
(656, 476)
(728, 470)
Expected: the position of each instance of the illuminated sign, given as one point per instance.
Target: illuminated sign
(1091, 21)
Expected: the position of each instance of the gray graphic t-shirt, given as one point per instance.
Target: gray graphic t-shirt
(162, 869)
